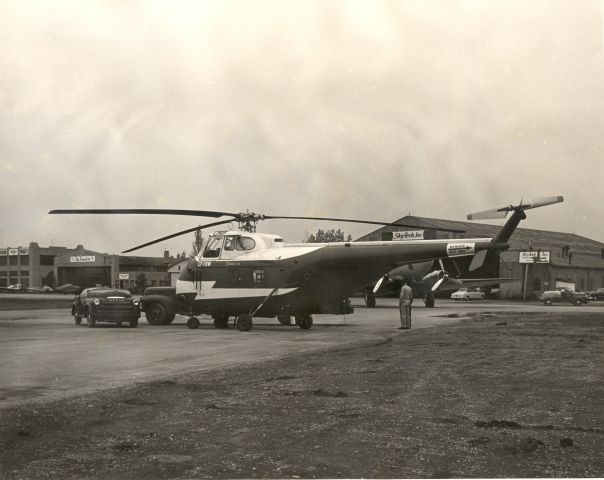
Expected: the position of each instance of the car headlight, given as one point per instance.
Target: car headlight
(135, 303)
(96, 301)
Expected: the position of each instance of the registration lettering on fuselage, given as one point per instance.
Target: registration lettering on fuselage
(204, 263)
(460, 248)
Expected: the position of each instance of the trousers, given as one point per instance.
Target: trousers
(405, 308)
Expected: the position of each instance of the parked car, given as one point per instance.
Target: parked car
(465, 294)
(563, 295)
(104, 304)
(68, 288)
(597, 295)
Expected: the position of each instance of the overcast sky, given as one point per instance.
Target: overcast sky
(348, 109)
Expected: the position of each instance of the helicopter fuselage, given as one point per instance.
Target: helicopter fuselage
(242, 272)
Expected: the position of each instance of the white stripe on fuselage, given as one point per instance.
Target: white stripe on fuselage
(208, 292)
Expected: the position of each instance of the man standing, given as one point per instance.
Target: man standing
(405, 300)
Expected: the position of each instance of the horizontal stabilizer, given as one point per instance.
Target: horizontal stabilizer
(503, 211)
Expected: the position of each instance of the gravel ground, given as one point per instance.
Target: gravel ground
(495, 396)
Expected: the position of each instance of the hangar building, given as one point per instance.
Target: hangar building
(87, 268)
(565, 257)
(35, 266)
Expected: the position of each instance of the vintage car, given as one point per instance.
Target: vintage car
(597, 295)
(465, 294)
(563, 295)
(104, 304)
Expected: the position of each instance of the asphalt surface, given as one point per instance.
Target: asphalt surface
(44, 356)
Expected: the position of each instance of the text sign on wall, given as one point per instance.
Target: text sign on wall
(13, 251)
(124, 276)
(82, 259)
(24, 251)
(533, 257)
(408, 235)
(3, 251)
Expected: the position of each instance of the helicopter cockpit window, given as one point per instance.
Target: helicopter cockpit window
(229, 243)
(212, 249)
(245, 243)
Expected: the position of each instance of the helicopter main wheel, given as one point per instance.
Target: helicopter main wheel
(244, 323)
(156, 314)
(284, 319)
(193, 323)
(221, 321)
(304, 321)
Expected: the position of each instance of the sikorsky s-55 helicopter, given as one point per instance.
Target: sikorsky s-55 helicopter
(244, 274)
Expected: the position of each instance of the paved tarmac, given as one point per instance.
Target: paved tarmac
(45, 356)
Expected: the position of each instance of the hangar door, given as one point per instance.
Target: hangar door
(85, 276)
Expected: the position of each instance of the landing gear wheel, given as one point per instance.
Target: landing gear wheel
(156, 314)
(134, 323)
(193, 323)
(221, 321)
(77, 319)
(370, 299)
(429, 300)
(90, 321)
(284, 319)
(244, 323)
(304, 321)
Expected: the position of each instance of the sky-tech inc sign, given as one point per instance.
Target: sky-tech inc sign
(82, 259)
(534, 257)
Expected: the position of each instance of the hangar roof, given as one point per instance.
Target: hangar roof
(585, 252)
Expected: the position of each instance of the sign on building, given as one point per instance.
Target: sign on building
(408, 235)
(24, 251)
(82, 259)
(534, 257)
(124, 276)
(3, 251)
(13, 251)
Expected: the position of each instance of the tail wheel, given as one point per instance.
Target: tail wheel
(284, 319)
(156, 314)
(193, 323)
(221, 321)
(90, 320)
(304, 321)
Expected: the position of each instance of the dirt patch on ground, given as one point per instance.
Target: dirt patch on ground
(513, 396)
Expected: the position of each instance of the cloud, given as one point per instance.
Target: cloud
(348, 109)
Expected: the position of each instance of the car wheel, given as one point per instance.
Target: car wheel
(577, 302)
(90, 320)
(156, 314)
(547, 302)
(169, 318)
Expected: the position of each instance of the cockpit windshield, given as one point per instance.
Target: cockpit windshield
(212, 248)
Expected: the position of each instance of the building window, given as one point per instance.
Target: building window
(24, 273)
(590, 284)
(47, 260)
(536, 284)
(24, 259)
(4, 260)
(581, 284)
(14, 260)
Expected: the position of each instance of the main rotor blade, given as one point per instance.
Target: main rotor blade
(350, 220)
(146, 211)
(167, 237)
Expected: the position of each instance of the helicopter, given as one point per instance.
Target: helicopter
(245, 274)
